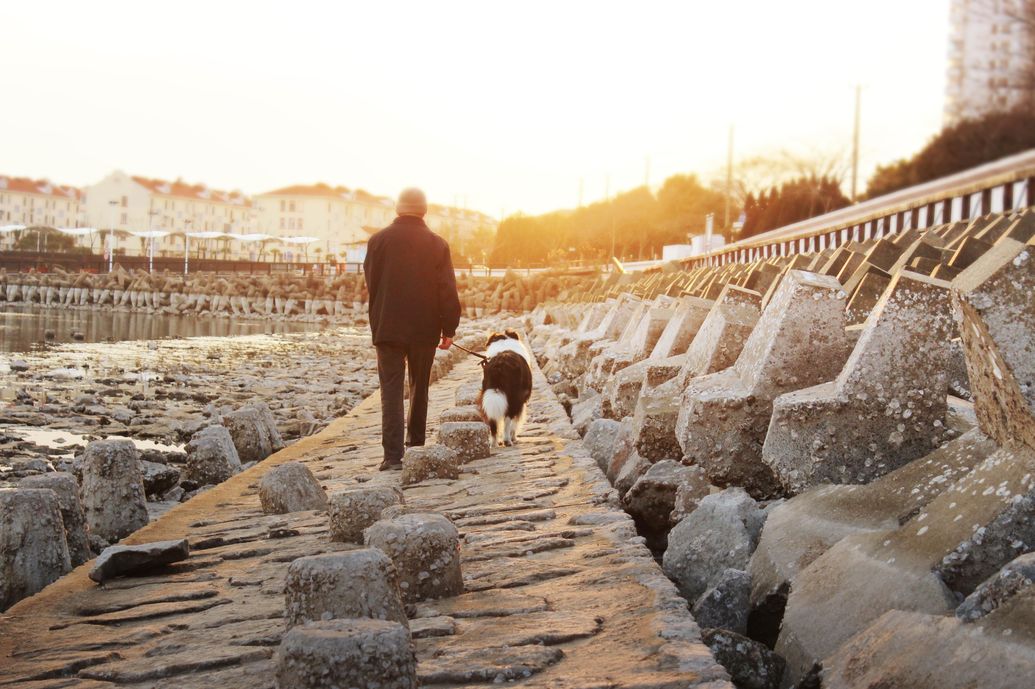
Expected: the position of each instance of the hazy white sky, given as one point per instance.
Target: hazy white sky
(508, 105)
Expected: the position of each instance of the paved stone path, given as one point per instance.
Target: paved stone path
(560, 591)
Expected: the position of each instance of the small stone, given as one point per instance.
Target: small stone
(211, 456)
(353, 510)
(469, 412)
(67, 490)
(113, 489)
(751, 665)
(123, 560)
(355, 583)
(469, 439)
(33, 550)
(426, 551)
(290, 487)
(346, 653)
(254, 432)
(726, 604)
(428, 462)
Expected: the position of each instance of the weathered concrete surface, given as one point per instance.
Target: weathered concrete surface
(33, 550)
(623, 388)
(723, 417)
(557, 582)
(717, 344)
(800, 530)
(886, 407)
(996, 300)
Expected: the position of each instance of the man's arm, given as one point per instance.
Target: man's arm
(448, 299)
(370, 273)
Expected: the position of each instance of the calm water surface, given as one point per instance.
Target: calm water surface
(24, 328)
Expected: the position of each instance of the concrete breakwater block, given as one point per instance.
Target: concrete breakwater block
(798, 341)
(887, 405)
(119, 560)
(426, 551)
(211, 456)
(352, 584)
(429, 462)
(995, 298)
(716, 346)
(346, 653)
(33, 550)
(291, 487)
(469, 439)
(67, 490)
(113, 489)
(353, 510)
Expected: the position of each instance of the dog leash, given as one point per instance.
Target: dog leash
(480, 356)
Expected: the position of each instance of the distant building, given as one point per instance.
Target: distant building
(124, 202)
(37, 203)
(343, 219)
(991, 57)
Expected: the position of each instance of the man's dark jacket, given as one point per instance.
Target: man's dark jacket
(412, 287)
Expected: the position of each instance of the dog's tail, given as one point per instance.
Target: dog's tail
(494, 404)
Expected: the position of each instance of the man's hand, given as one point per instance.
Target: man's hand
(446, 343)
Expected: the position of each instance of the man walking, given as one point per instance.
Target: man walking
(413, 306)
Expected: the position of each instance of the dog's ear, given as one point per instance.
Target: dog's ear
(512, 334)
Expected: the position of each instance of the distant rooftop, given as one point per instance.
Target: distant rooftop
(42, 187)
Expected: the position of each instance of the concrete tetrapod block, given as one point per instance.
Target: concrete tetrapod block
(426, 551)
(717, 345)
(352, 510)
(469, 439)
(33, 551)
(885, 408)
(651, 499)
(959, 539)
(346, 653)
(290, 487)
(801, 529)
(919, 651)
(429, 462)
(354, 583)
(113, 489)
(799, 341)
(995, 297)
(67, 490)
(623, 389)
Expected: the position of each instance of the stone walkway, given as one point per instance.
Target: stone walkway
(560, 591)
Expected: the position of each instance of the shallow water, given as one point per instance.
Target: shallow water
(24, 328)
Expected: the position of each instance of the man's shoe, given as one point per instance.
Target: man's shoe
(389, 465)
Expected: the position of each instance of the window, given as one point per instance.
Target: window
(125, 201)
(299, 225)
(282, 223)
(124, 220)
(282, 204)
(291, 206)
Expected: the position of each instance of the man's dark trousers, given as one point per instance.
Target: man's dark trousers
(392, 360)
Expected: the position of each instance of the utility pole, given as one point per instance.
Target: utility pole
(729, 182)
(855, 142)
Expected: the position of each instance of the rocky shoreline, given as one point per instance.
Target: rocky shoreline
(160, 393)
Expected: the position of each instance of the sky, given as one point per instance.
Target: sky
(499, 107)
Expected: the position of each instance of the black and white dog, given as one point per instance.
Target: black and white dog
(506, 386)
